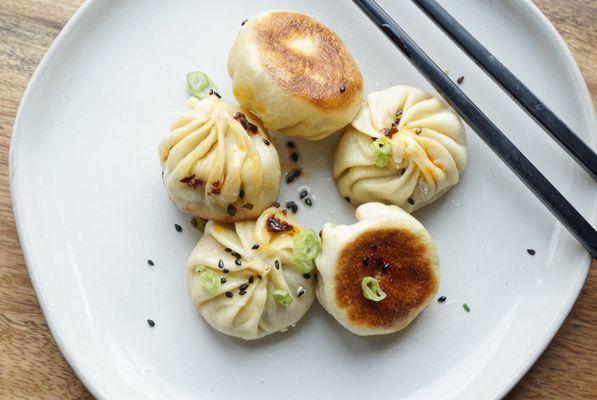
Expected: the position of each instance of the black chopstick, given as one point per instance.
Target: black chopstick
(521, 94)
(490, 133)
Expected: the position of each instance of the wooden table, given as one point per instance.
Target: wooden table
(32, 367)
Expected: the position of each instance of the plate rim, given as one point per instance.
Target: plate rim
(89, 379)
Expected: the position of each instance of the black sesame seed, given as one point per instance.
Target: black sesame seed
(211, 91)
(244, 286)
(398, 113)
(277, 264)
(397, 121)
(291, 205)
(290, 144)
(385, 268)
(308, 202)
(289, 179)
(241, 194)
(531, 252)
(297, 173)
(222, 280)
(178, 228)
(150, 322)
(411, 201)
(320, 233)
(150, 262)
(442, 299)
(266, 142)
(342, 89)
(402, 171)
(235, 254)
(255, 246)
(229, 294)
(225, 270)
(301, 293)
(227, 250)
(365, 261)
(242, 292)
(460, 80)
(347, 199)
(307, 276)
(221, 264)
(251, 279)
(248, 206)
(244, 22)
(231, 210)
(418, 131)
(294, 156)
(303, 194)
(238, 262)
(276, 204)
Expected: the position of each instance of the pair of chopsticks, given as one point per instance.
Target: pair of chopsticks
(491, 135)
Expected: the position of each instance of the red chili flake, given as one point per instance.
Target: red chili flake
(192, 181)
(216, 187)
(389, 132)
(276, 225)
(248, 125)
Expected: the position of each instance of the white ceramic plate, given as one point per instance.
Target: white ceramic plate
(91, 210)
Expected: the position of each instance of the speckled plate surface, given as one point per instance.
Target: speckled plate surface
(91, 210)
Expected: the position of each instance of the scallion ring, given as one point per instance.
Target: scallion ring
(199, 83)
(371, 289)
(210, 280)
(282, 297)
(305, 247)
(383, 150)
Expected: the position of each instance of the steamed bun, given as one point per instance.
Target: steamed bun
(295, 74)
(244, 278)
(389, 253)
(218, 162)
(405, 147)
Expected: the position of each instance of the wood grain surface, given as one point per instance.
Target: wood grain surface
(32, 367)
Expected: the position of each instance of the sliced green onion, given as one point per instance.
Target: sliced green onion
(305, 247)
(383, 149)
(210, 280)
(466, 307)
(282, 297)
(371, 289)
(198, 223)
(198, 84)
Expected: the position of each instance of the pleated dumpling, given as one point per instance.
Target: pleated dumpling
(376, 275)
(218, 162)
(405, 147)
(253, 278)
(295, 74)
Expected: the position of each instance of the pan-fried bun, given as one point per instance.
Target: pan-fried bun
(389, 245)
(295, 74)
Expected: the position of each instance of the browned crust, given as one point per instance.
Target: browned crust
(317, 77)
(410, 280)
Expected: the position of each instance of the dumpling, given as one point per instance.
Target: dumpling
(218, 162)
(405, 147)
(295, 74)
(253, 278)
(377, 275)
